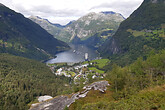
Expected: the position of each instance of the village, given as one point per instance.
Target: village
(83, 71)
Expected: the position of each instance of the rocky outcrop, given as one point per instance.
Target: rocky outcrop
(101, 86)
(110, 47)
(44, 98)
(60, 102)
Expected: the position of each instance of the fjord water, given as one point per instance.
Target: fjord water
(75, 54)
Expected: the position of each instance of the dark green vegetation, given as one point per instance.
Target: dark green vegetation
(137, 86)
(137, 68)
(148, 99)
(142, 32)
(20, 36)
(92, 97)
(23, 80)
(96, 40)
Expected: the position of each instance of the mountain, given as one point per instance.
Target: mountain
(54, 29)
(92, 23)
(83, 28)
(20, 36)
(142, 32)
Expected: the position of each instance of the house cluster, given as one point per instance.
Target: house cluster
(76, 72)
(69, 71)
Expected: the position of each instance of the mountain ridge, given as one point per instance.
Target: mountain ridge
(20, 36)
(91, 23)
(139, 33)
(86, 26)
(56, 30)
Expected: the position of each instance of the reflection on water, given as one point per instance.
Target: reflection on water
(76, 54)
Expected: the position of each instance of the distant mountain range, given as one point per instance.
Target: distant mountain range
(20, 36)
(142, 32)
(84, 27)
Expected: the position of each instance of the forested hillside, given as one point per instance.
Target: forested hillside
(137, 86)
(140, 33)
(20, 36)
(137, 63)
(54, 29)
(23, 80)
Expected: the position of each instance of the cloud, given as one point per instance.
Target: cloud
(123, 7)
(63, 11)
(45, 10)
(62, 16)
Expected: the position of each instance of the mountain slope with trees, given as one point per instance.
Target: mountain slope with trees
(137, 86)
(54, 29)
(23, 80)
(143, 31)
(20, 36)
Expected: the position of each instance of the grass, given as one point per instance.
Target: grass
(100, 62)
(71, 73)
(95, 69)
(149, 99)
(107, 29)
(16, 46)
(92, 97)
(136, 33)
(159, 32)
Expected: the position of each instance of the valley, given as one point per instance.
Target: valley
(91, 29)
(98, 61)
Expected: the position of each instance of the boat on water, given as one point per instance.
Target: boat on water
(86, 56)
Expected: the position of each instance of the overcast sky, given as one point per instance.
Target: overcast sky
(63, 11)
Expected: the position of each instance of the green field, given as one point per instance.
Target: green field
(95, 69)
(100, 63)
(71, 73)
(159, 32)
